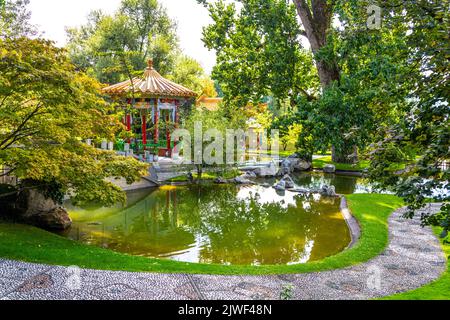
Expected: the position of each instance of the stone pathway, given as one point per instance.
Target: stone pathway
(412, 259)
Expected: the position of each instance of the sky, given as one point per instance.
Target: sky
(52, 16)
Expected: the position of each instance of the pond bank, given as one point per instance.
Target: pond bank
(405, 265)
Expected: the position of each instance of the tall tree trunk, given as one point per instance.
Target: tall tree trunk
(316, 19)
(348, 156)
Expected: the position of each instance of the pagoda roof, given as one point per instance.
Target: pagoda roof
(152, 84)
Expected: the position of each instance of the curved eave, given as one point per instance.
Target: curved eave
(153, 85)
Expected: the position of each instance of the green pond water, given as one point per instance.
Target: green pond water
(223, 224)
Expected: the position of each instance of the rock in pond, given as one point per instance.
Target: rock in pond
(329, 168)
(288, 182)
(242, 180)
(328, 191)
(280, 186)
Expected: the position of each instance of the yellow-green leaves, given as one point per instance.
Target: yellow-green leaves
(47, 108)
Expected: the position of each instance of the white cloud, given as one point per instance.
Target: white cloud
(53, 16)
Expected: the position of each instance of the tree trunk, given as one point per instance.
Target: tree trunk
(347, 156)
(316, 20)
(199, 172)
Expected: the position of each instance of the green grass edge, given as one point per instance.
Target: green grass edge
(436, 290)
(26, 243)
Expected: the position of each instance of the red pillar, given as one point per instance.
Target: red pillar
(128, 122)
(144, 129)
(156, 137)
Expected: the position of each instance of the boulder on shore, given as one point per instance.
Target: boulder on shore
(286, 167)
(57, 219)
(299, 164)
(329, 168)
(269, 171)
(37, 209)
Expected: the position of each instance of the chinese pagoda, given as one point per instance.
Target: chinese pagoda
(153, 106)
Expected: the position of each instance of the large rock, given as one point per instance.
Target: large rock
(299, 164)
(37, 209)
(328, 191)
(220, 181)
(269, 171)
(288, 182)
(57, 219)
(280, 186)
(329, 168)
(287, 167)
(302, 165)
(250, 174)
(242, 180)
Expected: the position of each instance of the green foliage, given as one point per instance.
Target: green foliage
(321, 162)
(424, 128)
(47, 109)
(15, 19)
(218, 121)
(259, 52)
(115, 48)
(189, 73)
(289, 130)
(287, 292)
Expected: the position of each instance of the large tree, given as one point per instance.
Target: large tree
(189, 73)
(316, 17)
(15, 19)
(259, 52)
(260, 44)
(423, 133)
(47, 110)
(114, 48)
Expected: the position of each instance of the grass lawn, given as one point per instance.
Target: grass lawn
(323, 161)
(437, 290)
(34, 245)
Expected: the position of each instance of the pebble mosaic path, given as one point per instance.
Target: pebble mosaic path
(413, 258)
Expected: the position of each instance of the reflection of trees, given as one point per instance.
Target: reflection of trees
(246, 232)
(343, 184)
(233, 231)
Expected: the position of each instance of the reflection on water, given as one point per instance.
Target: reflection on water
(223, 224)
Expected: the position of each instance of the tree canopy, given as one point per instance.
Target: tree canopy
(47, 110)
(383, 90)
(112, 48)
(259, 52)
(15, 19)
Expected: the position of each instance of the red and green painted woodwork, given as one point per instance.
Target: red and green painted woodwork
(144, 105)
